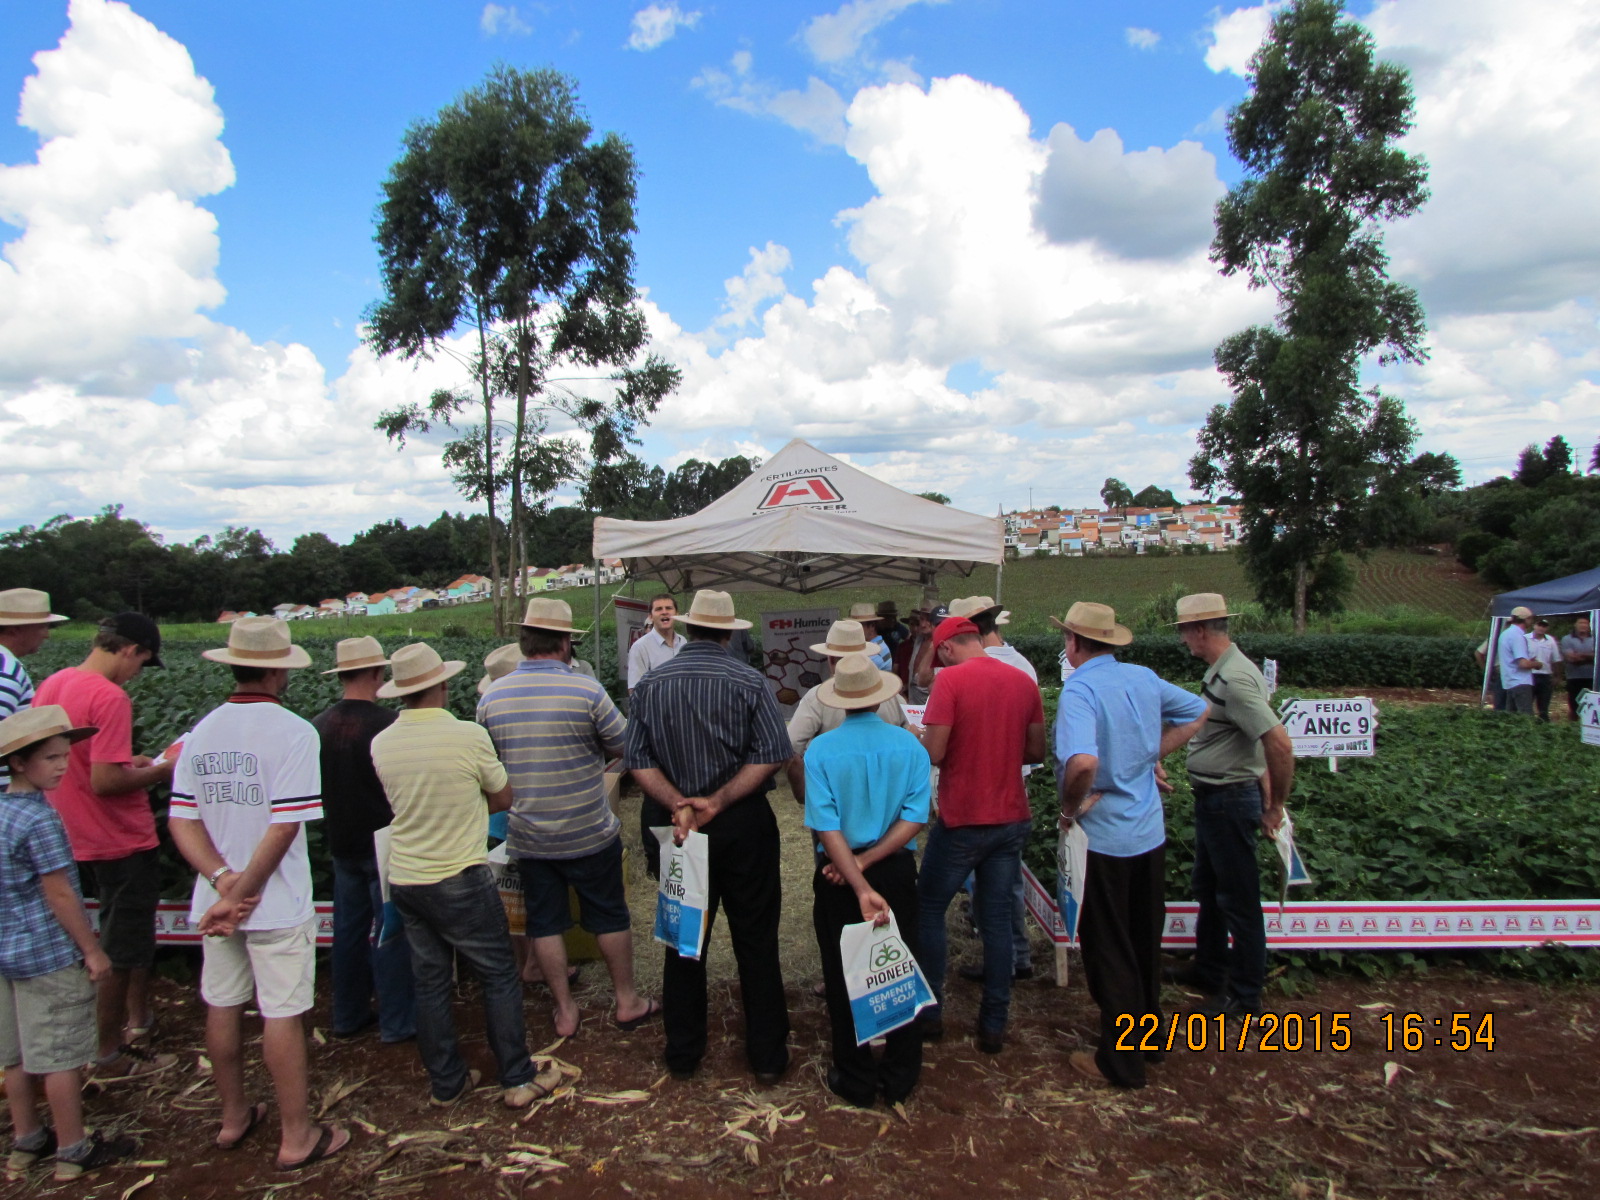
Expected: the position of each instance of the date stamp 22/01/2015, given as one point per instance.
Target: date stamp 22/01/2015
(1270, 1033)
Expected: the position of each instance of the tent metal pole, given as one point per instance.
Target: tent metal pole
(1491, 659)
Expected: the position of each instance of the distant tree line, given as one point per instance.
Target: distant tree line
(111, 562)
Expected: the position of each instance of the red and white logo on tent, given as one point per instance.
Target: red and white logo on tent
(807, 489)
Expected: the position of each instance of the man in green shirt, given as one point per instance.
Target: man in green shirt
(1241, 767)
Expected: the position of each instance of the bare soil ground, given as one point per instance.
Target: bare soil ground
(1517, 1120)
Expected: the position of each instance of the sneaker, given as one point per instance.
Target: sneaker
(473, 1077)
(990, 1041)
(131, 1063)
(91, 1153)
(24, 1160)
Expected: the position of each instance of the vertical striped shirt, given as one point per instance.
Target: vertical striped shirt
(701, 717)
(16, 693)
(553, 729)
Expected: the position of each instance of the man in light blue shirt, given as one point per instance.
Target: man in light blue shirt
(1517, 663)
(867, 797)
(1114, 724)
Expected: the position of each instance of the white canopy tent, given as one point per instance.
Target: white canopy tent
(804, 522)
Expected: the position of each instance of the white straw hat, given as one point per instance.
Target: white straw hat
(499, 663)
(549, 613)
(968, 606)
(1202, 606)
(866, 614)
(357, 654)
(416, 667)
(844, 637)
(259, 642)
(712, 610)
(27, 606)
(29, 725)
(1096, 621)
(856, 683)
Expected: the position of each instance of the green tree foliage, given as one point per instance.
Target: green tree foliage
(503, 219)
(1305, 448)
(1115, 494)
(936, 497)
(1155, 497)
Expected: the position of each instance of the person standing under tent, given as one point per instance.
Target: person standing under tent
(1545, 652)
(1577, 653)
(1516, 662)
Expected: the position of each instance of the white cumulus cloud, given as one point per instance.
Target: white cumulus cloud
(498, 19)
(1235, 36)
(817, 109)
(1140, 38)
(657, 23)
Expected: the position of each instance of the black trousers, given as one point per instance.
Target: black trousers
(833, 907)
(1120, 929)
(1544, 687)
(745, 879)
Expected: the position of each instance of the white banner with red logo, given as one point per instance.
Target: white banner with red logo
(792, 668)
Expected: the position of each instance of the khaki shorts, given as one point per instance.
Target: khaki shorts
(47, 1022)
(277, 967)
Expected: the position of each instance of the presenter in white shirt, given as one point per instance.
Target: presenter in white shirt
(659, 644)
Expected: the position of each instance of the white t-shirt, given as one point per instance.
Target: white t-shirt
(651, 650)
(1545, 651)
(1007, 653)
(247, 766)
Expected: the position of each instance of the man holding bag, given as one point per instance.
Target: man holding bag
(867, 797)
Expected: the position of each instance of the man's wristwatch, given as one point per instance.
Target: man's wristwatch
(218, 874)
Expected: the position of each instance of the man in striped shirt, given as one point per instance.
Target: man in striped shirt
(25, 621)
(554, 729)
(704, 741)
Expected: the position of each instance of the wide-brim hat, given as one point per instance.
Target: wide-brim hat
(866, 614)
(357, 654)
(712, 610)
(416, 667)
(856, 683)
(1202, 606)
(27, 606)
(1096, 621)
(27, 726)
(499, 663)
(971, 606)
(1521, 613)
(260, 642)
(888, 609)
(844, 637)
(551, 614)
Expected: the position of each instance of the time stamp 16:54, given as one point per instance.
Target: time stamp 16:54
(1291, 1032)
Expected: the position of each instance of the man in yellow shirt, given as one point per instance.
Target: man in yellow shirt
(437, 772)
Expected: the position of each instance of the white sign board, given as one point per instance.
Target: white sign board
(1343, 728)
(1589, 717)
(1269, 672)
(792, 668)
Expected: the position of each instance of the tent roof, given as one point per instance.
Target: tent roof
(804, 521)
(1573, 594)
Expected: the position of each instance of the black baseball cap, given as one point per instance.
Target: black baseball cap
(138, 629)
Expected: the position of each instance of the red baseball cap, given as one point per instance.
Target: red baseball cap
(952, 627)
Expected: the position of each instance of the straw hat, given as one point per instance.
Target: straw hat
(867, 614)
(856, 683)
(259, 642)
(357, 654)
(27, 606)
(1521, 613)
(1097, 621)
(1202, 606)
(497, 664)
(888, 610)
(844, 637)
(713, 610)
(549, 613)
(971, 606)
(415, 668)
(29, 725)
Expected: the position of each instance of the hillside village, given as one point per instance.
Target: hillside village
(466, 589)
(1076, 531)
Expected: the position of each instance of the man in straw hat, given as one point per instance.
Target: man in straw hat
(354, 808)
(1114, 724)
(704, 741)
(866, 615)
(1516, 662)
(555, 729)
(1241, 767)
(105, 806)
(443, 780)
(25, 621)
(812, 717)
(983, 722)
(248, 780)
(867, 797)
(49, 955)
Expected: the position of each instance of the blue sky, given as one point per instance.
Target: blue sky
(958, 342)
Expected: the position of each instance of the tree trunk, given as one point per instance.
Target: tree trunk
(495, 599)
(1300, 596)
(519, 548)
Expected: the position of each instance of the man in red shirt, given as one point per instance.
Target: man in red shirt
(984, 720)
(112, 830)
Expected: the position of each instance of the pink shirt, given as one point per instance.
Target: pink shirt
(99, 827)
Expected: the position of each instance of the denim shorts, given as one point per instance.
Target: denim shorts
(596, 878)
(47, 1022)
(128, 889)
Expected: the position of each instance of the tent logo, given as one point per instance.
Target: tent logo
(808, 489)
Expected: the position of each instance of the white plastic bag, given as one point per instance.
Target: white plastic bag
(1072, 865)
(683, 892)
(1294, 871)
(392, 925)
(886, 986)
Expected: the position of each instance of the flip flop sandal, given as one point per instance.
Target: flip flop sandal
(649, 1014)
(323, 1149)
(258, 1113)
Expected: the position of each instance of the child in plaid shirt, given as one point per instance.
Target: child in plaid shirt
(49, 955)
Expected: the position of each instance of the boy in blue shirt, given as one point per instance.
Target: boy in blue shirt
(867, 797)
(50, 958)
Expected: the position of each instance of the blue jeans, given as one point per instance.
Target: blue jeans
(994, 854)
(360, 965)
(1227, 884)
(463, 916)
(1022, 959)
